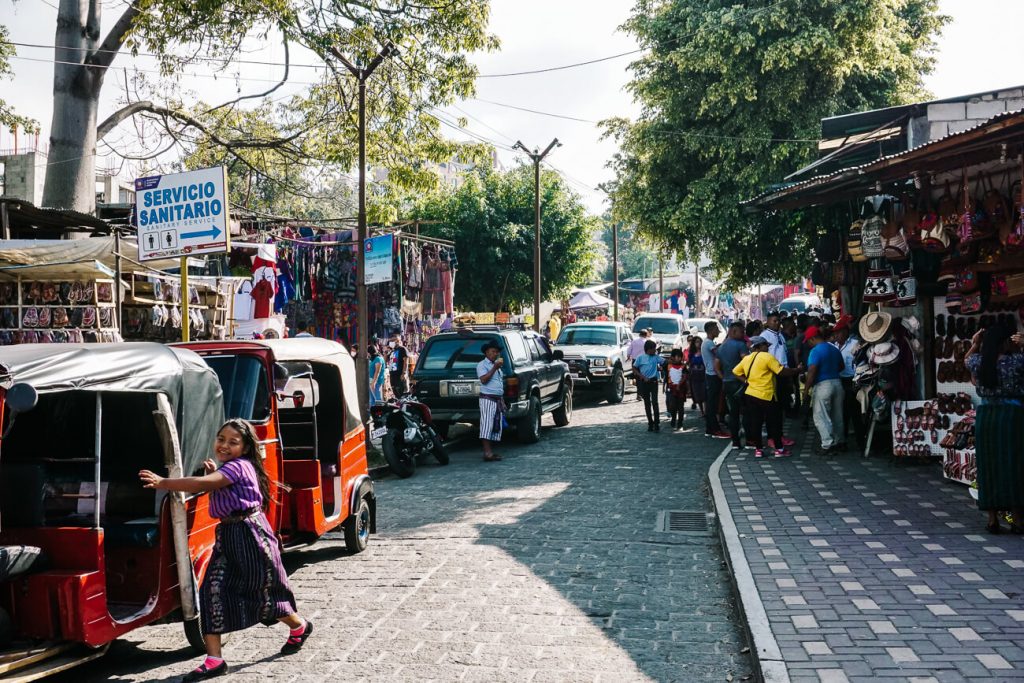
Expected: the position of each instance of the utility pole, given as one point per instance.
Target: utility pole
(615, 270)
(362, 74)
(696, 289)
(537, 157)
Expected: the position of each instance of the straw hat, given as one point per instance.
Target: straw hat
(874, 326)
(884, 353)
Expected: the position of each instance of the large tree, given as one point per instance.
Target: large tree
(490, 219)
(288, 141)
(732, 95)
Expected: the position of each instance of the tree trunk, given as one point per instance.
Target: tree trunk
(71, 166)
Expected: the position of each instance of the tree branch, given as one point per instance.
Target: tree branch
(283, 80)
(111, 45)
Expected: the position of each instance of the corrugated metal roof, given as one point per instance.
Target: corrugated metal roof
(996, 125)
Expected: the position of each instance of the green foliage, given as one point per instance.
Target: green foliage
(732, 99)
(280, 149)
(9, 119)
(491, 220)
(637, 256)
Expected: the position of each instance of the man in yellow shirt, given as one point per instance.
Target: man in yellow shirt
(759, 370)
(554, 327)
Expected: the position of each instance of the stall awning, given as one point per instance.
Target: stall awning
(998, 138)
(589, 300)
(66, 259)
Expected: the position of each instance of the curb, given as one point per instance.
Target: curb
(769, 665)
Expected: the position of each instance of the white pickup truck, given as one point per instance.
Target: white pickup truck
(597, 354)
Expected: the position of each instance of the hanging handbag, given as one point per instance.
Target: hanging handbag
(744, 383)
(880, 287)
(871, 231)
(910, 221)
(906, 289)
(1015, 240)
(854, 245)
(971, 303)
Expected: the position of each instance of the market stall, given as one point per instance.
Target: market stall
(932, 251)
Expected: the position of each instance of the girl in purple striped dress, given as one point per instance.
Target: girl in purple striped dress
(245, 583)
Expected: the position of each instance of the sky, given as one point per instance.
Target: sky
(979, 50)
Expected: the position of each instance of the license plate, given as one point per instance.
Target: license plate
(460, 389)
(379, 432)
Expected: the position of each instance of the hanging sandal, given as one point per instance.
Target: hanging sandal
(295, 643)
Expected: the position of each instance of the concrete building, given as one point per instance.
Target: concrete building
(22, 175)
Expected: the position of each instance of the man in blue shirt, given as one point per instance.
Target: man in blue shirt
(713, 406)
(647, 368)
(824, 366)
(728, 356)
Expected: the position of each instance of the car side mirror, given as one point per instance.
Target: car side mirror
(298, 398)
(558, 355)
(20, 398)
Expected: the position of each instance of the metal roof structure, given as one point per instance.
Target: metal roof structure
(28, 220)
(1000, 137)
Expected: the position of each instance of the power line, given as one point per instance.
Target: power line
(564, 66)
(534, 111)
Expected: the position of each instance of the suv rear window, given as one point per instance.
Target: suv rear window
(453, 354)
(603, 336)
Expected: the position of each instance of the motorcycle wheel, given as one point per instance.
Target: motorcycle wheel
(437, 447)
(401, 462)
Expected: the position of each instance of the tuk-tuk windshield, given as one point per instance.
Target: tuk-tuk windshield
(243, 380)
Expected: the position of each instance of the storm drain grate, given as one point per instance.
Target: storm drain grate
(685, 522)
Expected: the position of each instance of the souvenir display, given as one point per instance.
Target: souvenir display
(57, 312)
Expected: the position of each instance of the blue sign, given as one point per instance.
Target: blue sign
(379, 258)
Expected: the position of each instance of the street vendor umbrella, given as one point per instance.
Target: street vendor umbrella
(589, 300)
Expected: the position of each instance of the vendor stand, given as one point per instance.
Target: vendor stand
(933, 251)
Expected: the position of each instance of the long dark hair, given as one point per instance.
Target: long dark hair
(992, 344)
(253, 452)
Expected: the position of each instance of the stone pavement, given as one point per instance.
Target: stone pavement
(544, 567)
(871, 570)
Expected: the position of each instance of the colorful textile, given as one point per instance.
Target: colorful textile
(492, 408)
(245, 584)
(1009, 367)
(242, 495)
(999, 448)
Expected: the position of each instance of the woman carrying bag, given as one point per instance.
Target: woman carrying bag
(759, 370)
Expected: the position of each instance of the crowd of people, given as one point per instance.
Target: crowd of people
(761, 373)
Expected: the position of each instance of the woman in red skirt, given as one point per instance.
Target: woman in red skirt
(246, 583)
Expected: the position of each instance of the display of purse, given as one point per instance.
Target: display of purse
(854, 245)
(939, 239)
(910, 221)
(966, 281)
(906, 289)
(971, 303)
(880, 287)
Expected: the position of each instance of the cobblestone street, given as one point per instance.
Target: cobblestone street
(544, 567)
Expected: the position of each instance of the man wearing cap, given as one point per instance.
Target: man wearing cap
(825, 362)
(759, 369)
(848, 345)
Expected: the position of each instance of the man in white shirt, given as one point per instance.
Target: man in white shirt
(492, 405)
(784, 388)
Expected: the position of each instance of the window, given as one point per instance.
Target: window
(625, 337)
(517, 347)
(659, 325)
(244, 383)
(601, 336)
(453, 354)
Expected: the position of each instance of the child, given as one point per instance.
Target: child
(246, 583)
(675, 388)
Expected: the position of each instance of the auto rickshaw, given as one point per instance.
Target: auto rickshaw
(300, 395)
(86, 553)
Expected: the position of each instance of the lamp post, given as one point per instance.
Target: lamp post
(362, 74)
(536, 157)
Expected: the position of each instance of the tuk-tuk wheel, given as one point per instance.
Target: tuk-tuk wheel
(357, 527)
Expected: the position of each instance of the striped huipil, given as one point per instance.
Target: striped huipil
(245, 584)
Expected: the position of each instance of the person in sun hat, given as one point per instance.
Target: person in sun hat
(825, 363)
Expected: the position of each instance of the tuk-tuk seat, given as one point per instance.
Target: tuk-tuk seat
(19, 559)
(140, 533)
(124, 523)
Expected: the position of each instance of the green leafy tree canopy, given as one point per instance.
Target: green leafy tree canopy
(490, 219)
(732, 98)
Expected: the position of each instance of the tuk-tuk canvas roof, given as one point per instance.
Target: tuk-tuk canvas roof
(190, 385)
(319, 350)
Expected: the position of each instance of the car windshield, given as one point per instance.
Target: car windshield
(659, 325)
(453, 354)
(244, 383)
(601, 336)
(798, 306)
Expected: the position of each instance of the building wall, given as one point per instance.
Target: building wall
(24, 175)
(955, 117)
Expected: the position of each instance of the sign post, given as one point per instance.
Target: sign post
(182, 215)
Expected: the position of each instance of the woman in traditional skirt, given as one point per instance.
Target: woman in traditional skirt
(245, 583)
(997, 369)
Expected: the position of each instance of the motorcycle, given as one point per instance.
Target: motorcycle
(406, 431)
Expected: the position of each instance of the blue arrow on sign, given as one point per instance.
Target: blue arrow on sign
(211, 233)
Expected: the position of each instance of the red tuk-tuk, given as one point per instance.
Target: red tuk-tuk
(301, 396)
(86, 553)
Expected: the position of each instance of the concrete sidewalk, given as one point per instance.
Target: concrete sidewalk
(868, 570)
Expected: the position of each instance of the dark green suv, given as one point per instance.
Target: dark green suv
(536, 379)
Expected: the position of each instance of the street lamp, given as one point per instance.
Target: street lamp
(537, 157)
(363, 336)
